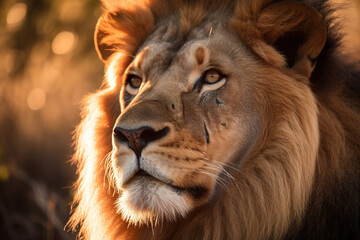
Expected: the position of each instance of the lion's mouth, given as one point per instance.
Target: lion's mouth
(195, 191)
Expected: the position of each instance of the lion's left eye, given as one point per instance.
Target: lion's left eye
(212, 76)
(133, 84)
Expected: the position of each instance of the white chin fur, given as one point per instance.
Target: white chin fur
(147, 201)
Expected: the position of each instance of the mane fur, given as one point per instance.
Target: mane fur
(334, 189)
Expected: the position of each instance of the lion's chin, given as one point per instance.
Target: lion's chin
(146, 200)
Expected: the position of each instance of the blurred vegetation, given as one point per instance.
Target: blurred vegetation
(47, 64)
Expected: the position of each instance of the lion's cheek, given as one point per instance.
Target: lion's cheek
(230, 139)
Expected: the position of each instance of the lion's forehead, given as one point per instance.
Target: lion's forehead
(177, 60)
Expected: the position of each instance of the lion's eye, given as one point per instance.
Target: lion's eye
(133, 84)
(211, 80)
(212, 76)
(135, 81)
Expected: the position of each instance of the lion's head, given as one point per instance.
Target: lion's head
(207, 115)
(187, 111)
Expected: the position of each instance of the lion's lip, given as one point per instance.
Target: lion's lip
(143, 173)
(195, 191)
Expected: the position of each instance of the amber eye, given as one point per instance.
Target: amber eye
(134, 81)
(212, 76)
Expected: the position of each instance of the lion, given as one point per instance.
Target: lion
(219, 120)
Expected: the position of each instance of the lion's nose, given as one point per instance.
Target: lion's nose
(137, 139)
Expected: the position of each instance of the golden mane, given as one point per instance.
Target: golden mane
(322, 130)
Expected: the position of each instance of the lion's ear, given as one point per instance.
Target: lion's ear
(103, 50)
(296, 30)
(284, 34)
(122, 30)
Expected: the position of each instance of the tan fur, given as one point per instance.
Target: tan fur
(266, 142)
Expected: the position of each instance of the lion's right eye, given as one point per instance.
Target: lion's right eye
(133, 84)
(211, 80)
(212, 76)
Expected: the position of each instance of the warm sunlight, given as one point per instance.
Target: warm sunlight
(71, 71)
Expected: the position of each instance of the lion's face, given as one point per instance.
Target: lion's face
(183, 120)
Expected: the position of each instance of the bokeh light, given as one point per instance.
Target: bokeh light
(16, 15)
(64, 42)
(36, 99)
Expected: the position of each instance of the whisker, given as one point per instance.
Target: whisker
(109, 173)
(219, 167)
(234, 167)
(219, 179)
(220, 170)
(105, 161)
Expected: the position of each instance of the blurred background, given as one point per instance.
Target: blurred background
(47, 65)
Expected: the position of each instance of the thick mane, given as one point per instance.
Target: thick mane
(333, 189)
(121, 22)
